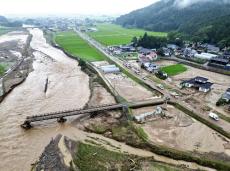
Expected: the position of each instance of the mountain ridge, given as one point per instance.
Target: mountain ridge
(200, 19)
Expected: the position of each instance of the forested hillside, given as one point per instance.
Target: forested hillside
(6, 23)
(207, 21)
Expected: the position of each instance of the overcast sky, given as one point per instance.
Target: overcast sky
(71, 6)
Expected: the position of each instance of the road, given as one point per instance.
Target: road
(103, 50)
(221, 123)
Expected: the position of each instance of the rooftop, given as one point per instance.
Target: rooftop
(145, 51)
(199, 82)
(226, 96)
(220, 59)
(198, 78)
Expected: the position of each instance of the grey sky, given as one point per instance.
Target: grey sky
(71, 6)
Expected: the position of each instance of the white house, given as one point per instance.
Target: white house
(207, 56)
(110, 69)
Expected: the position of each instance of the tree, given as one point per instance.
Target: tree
(151, 42)
(135, 41)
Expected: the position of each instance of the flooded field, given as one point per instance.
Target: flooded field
(180, 131)
(68, 88)
(129, 89)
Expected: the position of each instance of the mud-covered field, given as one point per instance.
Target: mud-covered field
(221, 84)
(129, 89)
(180, 131)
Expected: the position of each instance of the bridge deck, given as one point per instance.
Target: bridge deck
(67, 113)
(62, 114)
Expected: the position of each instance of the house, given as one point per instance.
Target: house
(127, 48)
(144, 51)
(117, 52)
(147, 57)
(212, 49)
(226, 95)
(167, 52)
(226, 55)
(150, 67)
(189, 52)
(207, 56)
(199, 83)
(172, 46)
(220, 62)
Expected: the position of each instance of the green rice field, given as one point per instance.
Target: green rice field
(2, 69)
(111, 34)
(76, 46)
(4, 30)
(173, 70)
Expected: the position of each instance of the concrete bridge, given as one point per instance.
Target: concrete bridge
(61, 115)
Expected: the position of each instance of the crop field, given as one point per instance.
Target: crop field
(76, 46)
(2, 69)
(111, 34)
(173, 70)
(4, 30)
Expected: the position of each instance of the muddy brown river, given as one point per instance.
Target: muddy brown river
(68, 88)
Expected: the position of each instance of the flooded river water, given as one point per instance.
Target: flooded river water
(68, 88)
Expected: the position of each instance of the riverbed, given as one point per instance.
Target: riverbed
(68, 88)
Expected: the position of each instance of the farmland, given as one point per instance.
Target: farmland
(173, 70)
(2, 69)
(4, 30)
(76, 46)
(111, 34)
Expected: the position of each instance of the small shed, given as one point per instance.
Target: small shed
(110, 69)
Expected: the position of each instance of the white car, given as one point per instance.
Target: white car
(213, 116)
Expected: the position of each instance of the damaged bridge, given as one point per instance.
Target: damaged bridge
(61, 115)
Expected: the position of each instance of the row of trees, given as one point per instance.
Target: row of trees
(150, 41)
(153, 42)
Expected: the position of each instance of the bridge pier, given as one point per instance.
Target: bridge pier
(61, 120)
(26, 125)
(93, 114)
(125, 111)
